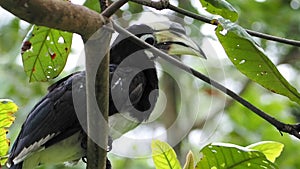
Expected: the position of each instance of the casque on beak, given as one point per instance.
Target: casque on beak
(176, 43)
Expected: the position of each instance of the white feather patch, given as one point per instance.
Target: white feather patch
(121, 123)
(36, 146)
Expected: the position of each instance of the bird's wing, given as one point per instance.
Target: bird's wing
(53, 117)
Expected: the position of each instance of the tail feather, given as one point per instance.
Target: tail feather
(17, 166)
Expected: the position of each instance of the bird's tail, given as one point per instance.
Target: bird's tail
(17, 166)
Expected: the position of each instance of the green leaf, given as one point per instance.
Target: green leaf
(271, 149)
(45, 52)
(250, 59)
(189, 163)
(220, 7)
(164, 156)
(229, 156)
(7, 109)
(93, 5)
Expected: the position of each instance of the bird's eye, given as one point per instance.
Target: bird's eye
(150, 39)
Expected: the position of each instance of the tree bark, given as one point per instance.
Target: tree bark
(57, 14)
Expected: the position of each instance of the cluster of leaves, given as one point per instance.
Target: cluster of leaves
(213, 156)
(7, 109)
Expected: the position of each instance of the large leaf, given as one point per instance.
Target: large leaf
(229, 156)
(164, 156)
(250, 59)
(45, 52)
(271, 149)
(220, 7)
(7, 109)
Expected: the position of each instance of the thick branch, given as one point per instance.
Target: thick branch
(57, 14)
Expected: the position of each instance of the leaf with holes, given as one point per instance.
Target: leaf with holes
(7, 109)
(45, 52)
(250, 59)
(271, 149)
(229, 156)
(164, 156)
(220, 7)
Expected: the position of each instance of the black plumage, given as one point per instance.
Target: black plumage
(53, 119)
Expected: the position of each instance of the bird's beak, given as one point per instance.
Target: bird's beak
(175, 43)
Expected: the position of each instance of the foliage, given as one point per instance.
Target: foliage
(250, 59)
(45, 52)
(7, 109)
(270, 149)
(220, 155)
(164, 156)
(220, 7)
(240, 125)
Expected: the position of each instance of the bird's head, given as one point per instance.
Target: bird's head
(169, 37)
(131, 58)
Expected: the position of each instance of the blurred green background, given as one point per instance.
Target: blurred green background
(218, 119)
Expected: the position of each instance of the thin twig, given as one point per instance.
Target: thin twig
(159, 5)
(287, 128)
(190, 14)
(108, 12)
(163, 4)
(227, 105)
(274, 38)
(251, 32)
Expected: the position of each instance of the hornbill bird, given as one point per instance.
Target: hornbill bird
(52, 132)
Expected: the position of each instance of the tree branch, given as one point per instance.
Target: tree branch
(96, 150)
(61, 15)
(159, 5)
(164, 4)
(97, 88)
(97, 82)
(282, 127)
(251, 32)
(57, 14)
(108, 12)
(274, 38)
